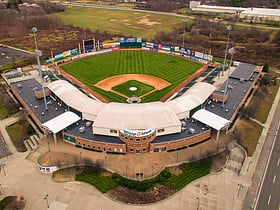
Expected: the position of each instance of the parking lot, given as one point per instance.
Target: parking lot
(10, 55)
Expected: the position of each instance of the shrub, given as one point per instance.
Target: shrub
(30, 130)
(102, 183)
(266, 68)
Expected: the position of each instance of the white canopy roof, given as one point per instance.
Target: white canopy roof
(131, 116)
(136, 116)
(61, 121)
(74, 98)
(192, 98)
(210, 119)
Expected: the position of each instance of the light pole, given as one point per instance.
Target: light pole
(126, 170)
(2, 166)
(51, 160)
(184, 33)
(80, 157)
(249, 165)
(47, 201)
(230, 51)
(239, 189)
(49, 146)
(229, 28)
(198, 202)
(38, 53)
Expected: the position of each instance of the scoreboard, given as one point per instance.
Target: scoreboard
(130, 42)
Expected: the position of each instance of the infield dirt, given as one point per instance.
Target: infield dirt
(110, 82)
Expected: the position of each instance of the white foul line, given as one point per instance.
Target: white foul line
(274, 178)
(268, 199)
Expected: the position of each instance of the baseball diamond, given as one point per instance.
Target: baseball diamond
(150, 126)
(100, 73)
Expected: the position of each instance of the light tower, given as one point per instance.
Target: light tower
(229, 28)
(38, 53)
(230, 51)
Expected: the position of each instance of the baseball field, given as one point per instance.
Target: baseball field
(126, 22)
(122, 74)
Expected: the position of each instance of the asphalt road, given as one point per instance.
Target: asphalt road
(269, 198)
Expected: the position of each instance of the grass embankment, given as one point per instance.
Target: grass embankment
(250, 131)
(190, 172)
(266, 104)
(93, 69)
(7, 105)
(126, 23)
(18, 132)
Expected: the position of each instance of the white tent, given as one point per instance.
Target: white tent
(60, 122)
(211, 119)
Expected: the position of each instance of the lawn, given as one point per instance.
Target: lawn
(267, 103)
(124, 88)
(190, 172)
(251, 133)
(127, 23)
(91, 70)
(7, 106)
(18, 132)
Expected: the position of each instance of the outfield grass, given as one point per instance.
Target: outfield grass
(126, 23)
(141, 88)
(91, 70)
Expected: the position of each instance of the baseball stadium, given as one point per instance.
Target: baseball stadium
(135, 97)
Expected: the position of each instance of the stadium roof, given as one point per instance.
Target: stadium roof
(132, 116)
(243, 71)
(61, 121)
(210, 119)
(74, 98)
(194, 97)
(136, 116)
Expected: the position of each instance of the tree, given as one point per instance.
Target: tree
(266, 68)
(13, 4)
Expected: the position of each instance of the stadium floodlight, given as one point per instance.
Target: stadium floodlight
(184, 32)
(230, 51)
(38, 53)
(229, 28)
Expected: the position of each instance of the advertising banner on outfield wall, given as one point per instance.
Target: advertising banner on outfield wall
(202, 61)
(130, 39)
(165, 47)
(62, 55)
(198, 54)
(194, 58)
(146, 48)
(149, 44)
